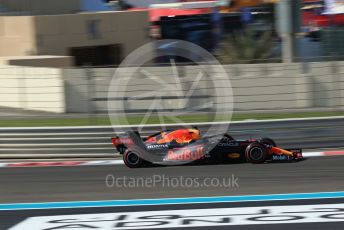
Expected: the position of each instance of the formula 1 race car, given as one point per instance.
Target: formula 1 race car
(184, 146)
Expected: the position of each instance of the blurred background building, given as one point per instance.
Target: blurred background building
(102, 33)
(65, 34)
(69, 28)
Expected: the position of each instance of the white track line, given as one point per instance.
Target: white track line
(313, 154)
(104, 162)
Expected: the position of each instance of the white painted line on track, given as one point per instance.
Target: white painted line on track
(104, 162)
(312, 154)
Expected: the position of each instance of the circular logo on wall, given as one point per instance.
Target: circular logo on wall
(166, 99)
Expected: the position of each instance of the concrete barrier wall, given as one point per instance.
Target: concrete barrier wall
(255, 87)
(30, 88)
(264, 86)
(77, 91)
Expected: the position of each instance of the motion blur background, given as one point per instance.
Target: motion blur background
(284, 59)
(58, 57)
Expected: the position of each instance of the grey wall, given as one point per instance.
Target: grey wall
(31, 88)
(255, 87)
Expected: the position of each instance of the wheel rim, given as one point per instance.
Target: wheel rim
(133, 158)
(256, 153)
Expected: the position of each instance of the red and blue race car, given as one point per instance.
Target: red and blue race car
(183, 146)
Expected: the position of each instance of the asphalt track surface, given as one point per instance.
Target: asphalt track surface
(50, 184)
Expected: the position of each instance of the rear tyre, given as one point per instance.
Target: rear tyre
(256, 153)
(132, 159)
(268, 141)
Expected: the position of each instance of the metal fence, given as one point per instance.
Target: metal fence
(95, 142)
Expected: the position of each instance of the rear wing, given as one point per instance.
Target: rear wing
(127, 140)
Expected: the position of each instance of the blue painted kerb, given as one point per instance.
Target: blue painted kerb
(165, 201)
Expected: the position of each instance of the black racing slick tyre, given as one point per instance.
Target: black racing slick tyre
(132, 159)
(256, 153)
(268, 141)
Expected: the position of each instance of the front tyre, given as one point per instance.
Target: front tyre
(256, 153)
(132, 159)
